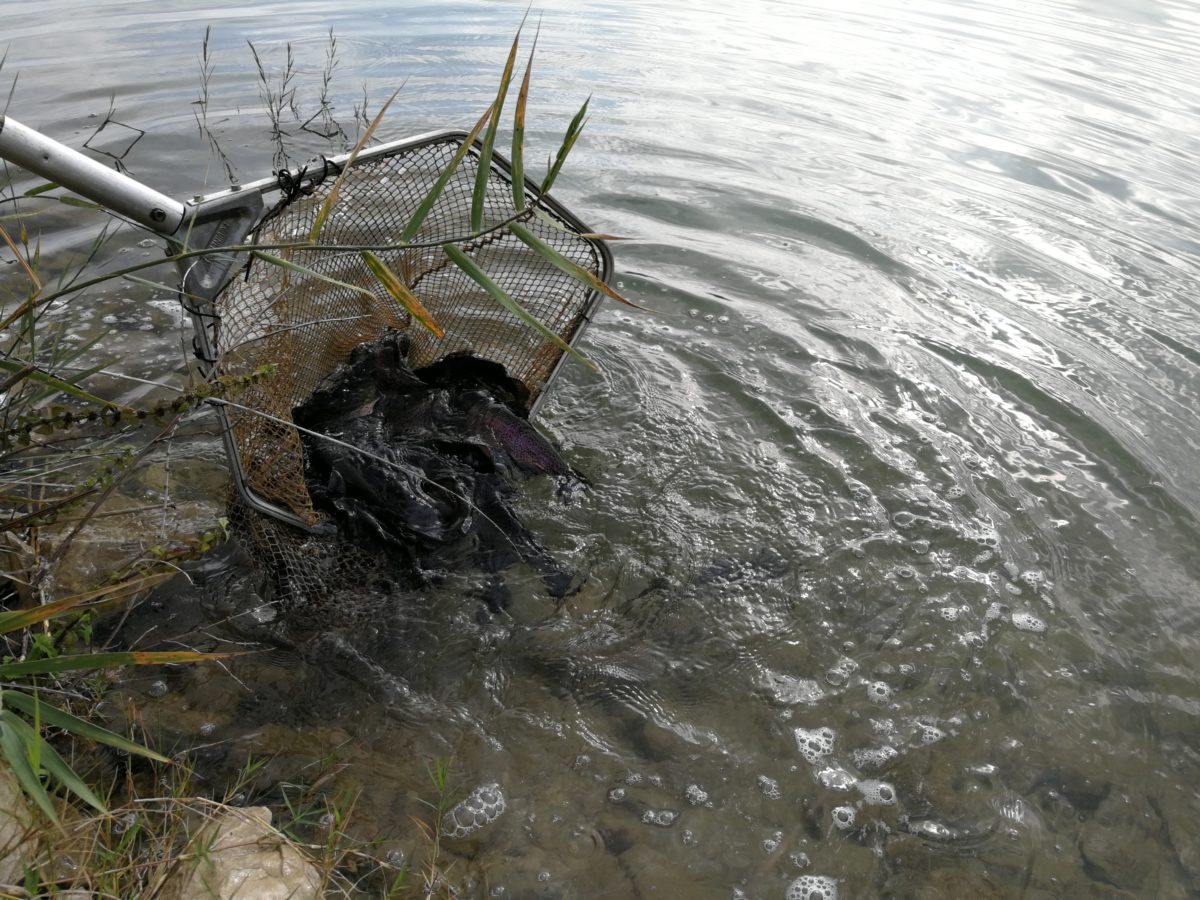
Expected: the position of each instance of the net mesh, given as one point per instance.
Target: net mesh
(305, 325)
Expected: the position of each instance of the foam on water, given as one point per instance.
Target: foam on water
(769, 787)
(663, 818)
(879, 793)
(929, 734)
(482, 807)
(835, 778)
(1028, 622)
(840, 673)
(873, 757)
(815, 743)
(812, 887)
(843, 817)
(879, 692)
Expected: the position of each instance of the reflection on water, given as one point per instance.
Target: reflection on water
(891, 561)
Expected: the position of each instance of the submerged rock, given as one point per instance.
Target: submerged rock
(1124, 845)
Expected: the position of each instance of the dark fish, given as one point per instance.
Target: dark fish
(422, 461)
(375, 369)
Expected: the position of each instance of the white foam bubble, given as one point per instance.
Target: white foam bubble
(879, 692)
(815, 743)
(481, 807)
(835, 778)
(696, 795)
(663, 818)
(929, 734)
(769, 787)
(1028, 622)
(840, 673)
(874, 757)
(812, 887)
(843, 817)
(879, 793)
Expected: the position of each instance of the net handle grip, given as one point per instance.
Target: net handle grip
(83, 175)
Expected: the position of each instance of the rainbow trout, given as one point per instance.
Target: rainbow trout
(504, 432)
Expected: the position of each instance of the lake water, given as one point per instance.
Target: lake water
(896, 483)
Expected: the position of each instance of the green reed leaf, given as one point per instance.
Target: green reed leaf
(418, 217)
(572, 135)
(586, 235)
(44, 378)
(51, 715)
(471, 268)
(18, 753)
(306, 271)
(489, 139)
(561, 262)
(518, 138)
(14, 620)
(52, 762)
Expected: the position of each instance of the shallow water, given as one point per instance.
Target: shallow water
(895, 483)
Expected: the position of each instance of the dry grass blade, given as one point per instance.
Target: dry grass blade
(29, 272)
(400, 292)
(59, 664)
(23, 618)
(331, 198)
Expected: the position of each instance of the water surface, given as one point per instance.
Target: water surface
(896, 482)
